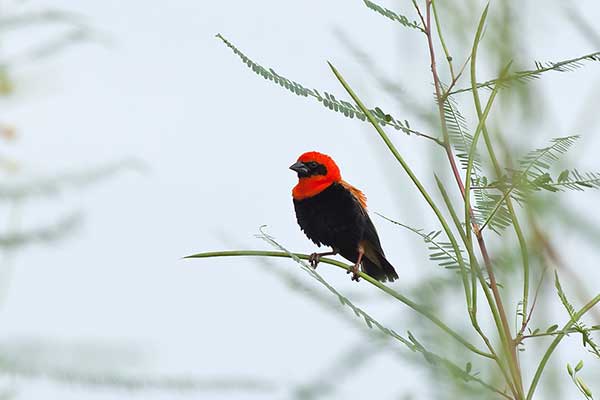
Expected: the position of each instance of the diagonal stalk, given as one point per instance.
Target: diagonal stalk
(556, 341)
(416, 307)
(497, 309)
(475, 275)
(509, 344)
(413, 177)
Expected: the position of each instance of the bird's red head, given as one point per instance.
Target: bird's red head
(316, 172)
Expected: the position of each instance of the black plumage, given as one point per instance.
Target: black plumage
(336, 218)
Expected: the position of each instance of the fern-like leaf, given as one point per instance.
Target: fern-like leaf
(578, 325)
(461, 140)
(56, 185)
(491, 210)
(442, 253)
(537, 162)
(403, 20)
(328, 100)
(46, 234)
(531, 175)
(412, 343)
(533, 74)
(575, 180)
(459, 135)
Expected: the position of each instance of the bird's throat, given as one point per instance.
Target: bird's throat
(311, 186)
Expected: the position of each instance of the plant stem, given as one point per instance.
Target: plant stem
(498, 313)
(560, 332)
(556, 341)
(475, 274)
(504, 331)
(414, 179)
(439, 30)
(416, 307)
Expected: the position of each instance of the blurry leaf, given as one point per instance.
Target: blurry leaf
(99, 365)
(6, 84)
(53, 186)
(36, 18)
(46, 234)
(578, 325)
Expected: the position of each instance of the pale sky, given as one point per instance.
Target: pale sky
(217, 141)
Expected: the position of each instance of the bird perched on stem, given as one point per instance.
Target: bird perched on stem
(333, 213)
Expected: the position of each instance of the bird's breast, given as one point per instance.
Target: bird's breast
(332, 217)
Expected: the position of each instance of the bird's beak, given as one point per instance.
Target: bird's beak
(300, 168)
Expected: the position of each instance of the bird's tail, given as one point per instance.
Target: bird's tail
(380, 269)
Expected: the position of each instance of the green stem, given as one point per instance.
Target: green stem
(503, 328)
(441, 37)
(556, 341)
(468, 245)
(475, 274)
(514, 220)
(544, 334)
(413, 177)
(419, 309)
(475, 271)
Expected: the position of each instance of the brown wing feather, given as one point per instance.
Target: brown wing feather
(360, 196)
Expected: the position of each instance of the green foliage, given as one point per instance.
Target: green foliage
(46, 234)
(440, 252)
(533, 74)
(328, 100)
(460, 138)
(411, 342)
(403, 20)
(532, 175)
(579, 326)
(107, 367)
(575, 180)
(578, 381)
(51, 186)
(492, 208)
(537, 162)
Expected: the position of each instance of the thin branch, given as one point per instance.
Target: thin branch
(556, 341)
(558, 332)
(413, 178)
(419, 309)
(419, 12)
(519, 335)
(529, 73)
(442, 41)
(504, 329)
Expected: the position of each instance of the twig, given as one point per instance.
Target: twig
(420, 309)
(556, 341)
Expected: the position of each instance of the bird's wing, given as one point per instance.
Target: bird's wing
(370, 233)
(358, 195)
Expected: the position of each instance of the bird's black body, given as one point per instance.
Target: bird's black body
(335, 218)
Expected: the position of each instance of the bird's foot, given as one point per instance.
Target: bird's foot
(314, 259)
(355, 270)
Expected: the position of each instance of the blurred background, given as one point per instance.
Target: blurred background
(130, 137)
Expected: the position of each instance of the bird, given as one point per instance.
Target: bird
(333, 213)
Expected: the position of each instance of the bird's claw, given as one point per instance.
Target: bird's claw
(314, 259)
(354, 270)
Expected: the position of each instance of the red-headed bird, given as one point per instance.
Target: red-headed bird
(333, 213)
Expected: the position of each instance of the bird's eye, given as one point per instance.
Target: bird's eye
(312, 164)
